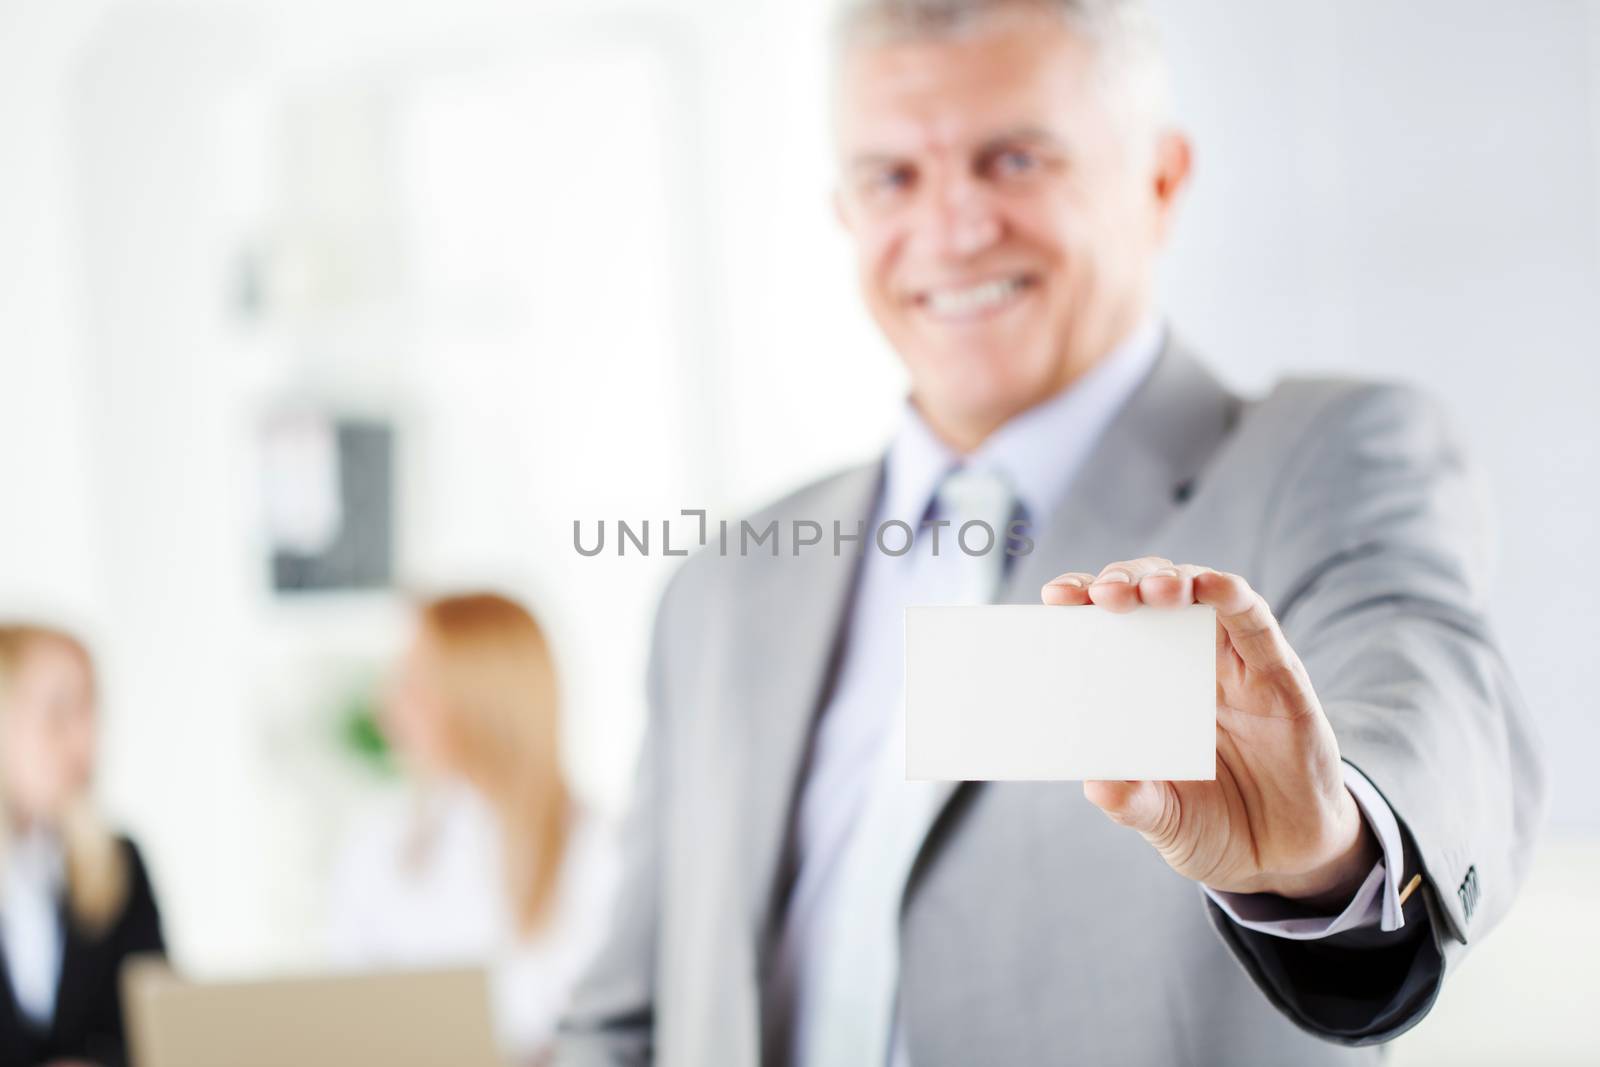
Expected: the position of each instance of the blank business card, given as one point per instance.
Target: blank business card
(1013, 692)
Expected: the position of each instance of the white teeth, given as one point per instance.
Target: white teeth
(957, 303)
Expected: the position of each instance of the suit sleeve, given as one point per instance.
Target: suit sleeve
(1376, 560)
(610, 1021)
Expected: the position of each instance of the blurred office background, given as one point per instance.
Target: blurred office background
(507, 265)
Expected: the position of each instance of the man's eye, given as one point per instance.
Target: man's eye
(1014, 161)
(890, 180)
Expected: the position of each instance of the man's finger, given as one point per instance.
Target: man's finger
(1169, 587)
(1117, 586)
(1250, 626)
(1143, 806)
(1071, 588)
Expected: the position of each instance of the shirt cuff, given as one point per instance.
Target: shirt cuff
(1377, 902)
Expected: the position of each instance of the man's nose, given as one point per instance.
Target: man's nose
(959, 219)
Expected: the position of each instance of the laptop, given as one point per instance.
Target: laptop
(402, 1019)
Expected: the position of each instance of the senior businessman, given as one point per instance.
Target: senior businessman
(1009, 175)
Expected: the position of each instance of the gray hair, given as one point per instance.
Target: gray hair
(1124, 35)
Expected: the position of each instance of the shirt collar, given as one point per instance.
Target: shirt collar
(1038, 451)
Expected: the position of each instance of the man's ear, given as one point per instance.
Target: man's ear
(1174, 162)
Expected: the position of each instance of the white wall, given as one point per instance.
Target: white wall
(1413, 191)
(421, 212)
(44, 540)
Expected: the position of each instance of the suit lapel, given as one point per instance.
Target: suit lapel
(15, 1033)
(82, 961)
(794, 631)
(1136, 478)
(1134, 481)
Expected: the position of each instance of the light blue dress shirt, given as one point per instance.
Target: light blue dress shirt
(32, 941)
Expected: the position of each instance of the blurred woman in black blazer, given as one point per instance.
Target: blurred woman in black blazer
(74, 899)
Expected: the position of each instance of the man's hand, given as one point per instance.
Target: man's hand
(1278, 818)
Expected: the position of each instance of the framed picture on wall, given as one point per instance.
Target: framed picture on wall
(329, 501)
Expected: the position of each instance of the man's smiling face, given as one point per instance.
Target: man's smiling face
(1006, 218)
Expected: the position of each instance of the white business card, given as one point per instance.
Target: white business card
(1022, 693)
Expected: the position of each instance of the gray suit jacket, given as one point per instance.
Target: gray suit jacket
(1034, 930)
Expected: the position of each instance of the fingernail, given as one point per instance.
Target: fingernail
(1164, 572)
(1069, 579)
(1113, 576)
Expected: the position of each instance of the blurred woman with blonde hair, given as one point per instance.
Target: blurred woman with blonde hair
(490, 861)
(74, 899)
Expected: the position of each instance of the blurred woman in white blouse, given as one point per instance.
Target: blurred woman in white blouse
(489, 861)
